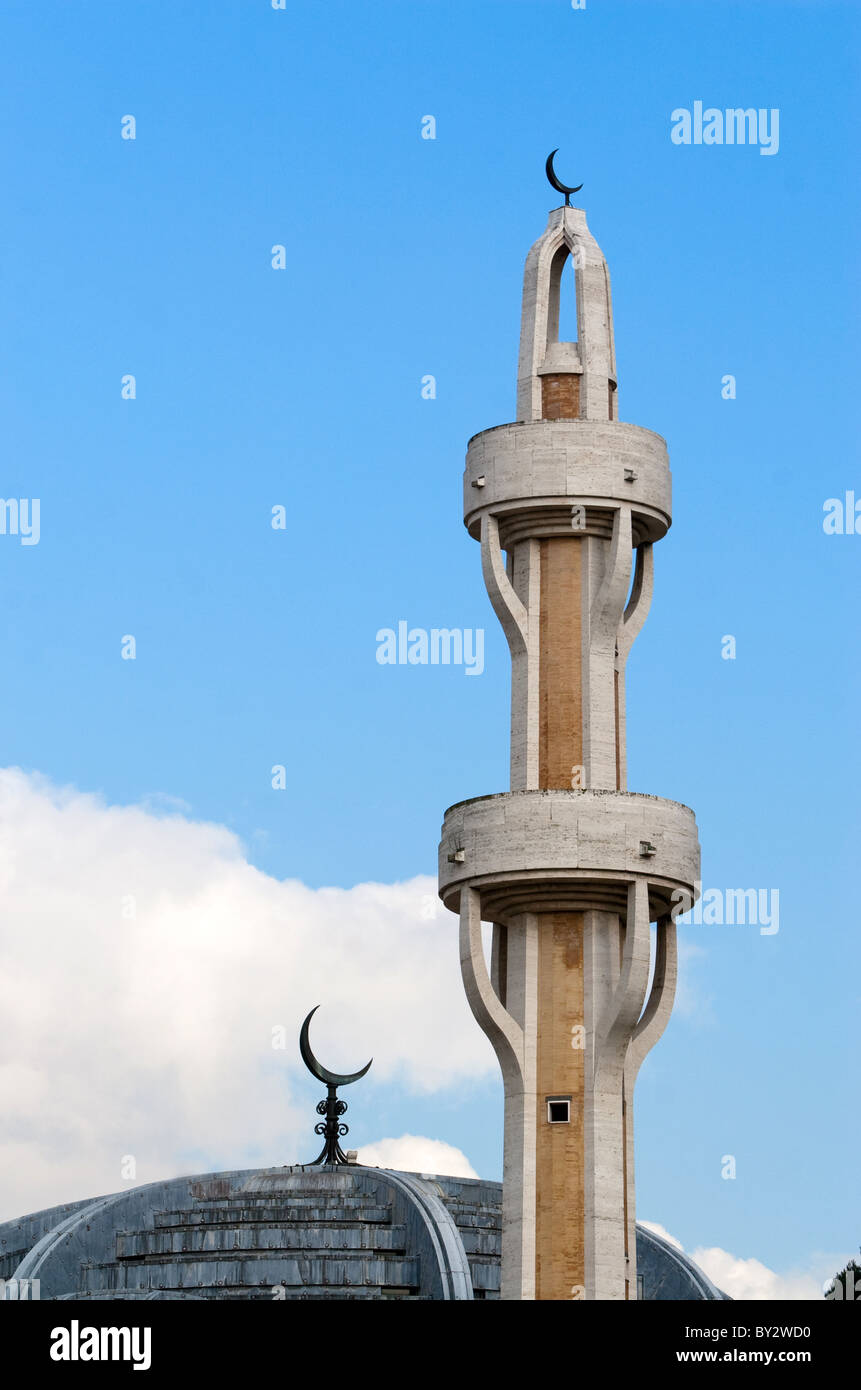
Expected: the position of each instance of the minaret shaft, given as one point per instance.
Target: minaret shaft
(560, 642)
(560, 1157)
(560, 1193)
(569, 866)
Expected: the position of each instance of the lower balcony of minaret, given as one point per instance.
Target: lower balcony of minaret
(568, 851)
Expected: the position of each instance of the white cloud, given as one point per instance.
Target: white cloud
(152, 1035)
(412, 1153)
(750, 1279)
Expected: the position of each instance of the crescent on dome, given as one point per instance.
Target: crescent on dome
(329, 1078)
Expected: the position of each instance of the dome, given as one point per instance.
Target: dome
(331, 1232)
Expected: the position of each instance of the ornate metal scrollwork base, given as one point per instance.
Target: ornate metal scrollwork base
(332, 1128)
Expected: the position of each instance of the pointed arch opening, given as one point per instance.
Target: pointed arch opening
(562, 308)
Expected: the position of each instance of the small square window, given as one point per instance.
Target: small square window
(559, 1110)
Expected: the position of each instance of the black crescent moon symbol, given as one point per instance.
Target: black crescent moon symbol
(329, 1078)
(553, 180)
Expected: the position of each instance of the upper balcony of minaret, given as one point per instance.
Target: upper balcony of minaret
(567, 447)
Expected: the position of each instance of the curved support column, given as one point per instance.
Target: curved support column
(515, 1046)
(609, 601)
(634, 617)
(601, 737)
(662, 996)
(649, 1030)
(507, 606)
(505, 1034)
(640, 601)
(630, 992)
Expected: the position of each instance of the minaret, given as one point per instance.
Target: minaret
(569, 866)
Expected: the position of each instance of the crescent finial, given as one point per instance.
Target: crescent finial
(555, 182)
(329, 1078)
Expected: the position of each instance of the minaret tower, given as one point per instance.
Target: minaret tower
(569, 866)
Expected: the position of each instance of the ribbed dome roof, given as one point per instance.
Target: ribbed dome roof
(293, 1233)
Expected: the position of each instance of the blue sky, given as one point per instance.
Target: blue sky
(302, 387)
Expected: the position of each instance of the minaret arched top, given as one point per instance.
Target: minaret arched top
(560, 380)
